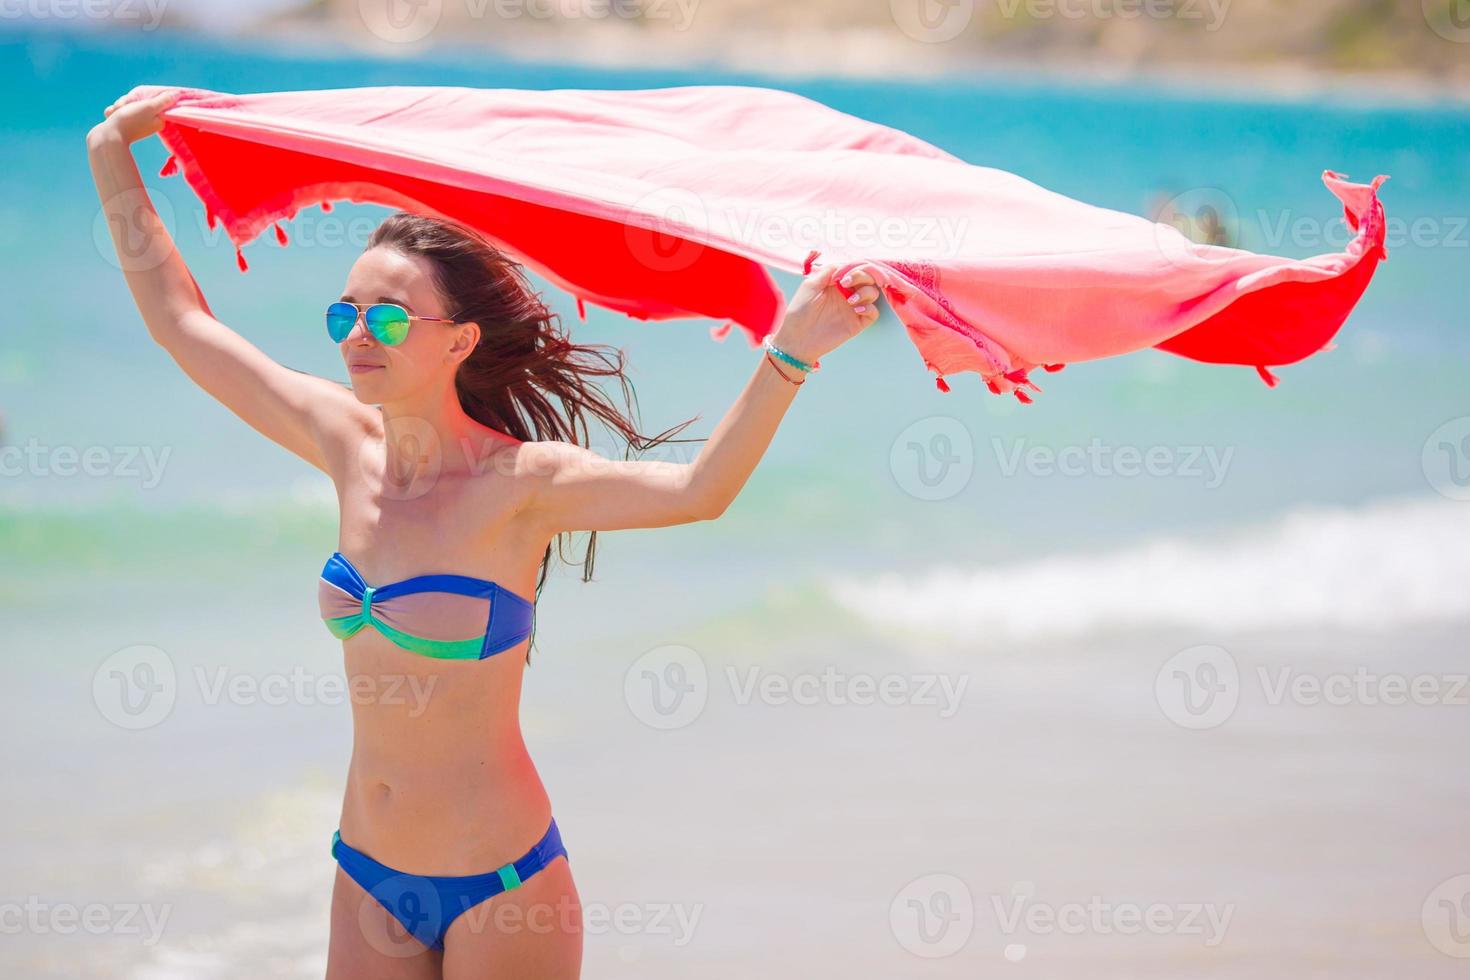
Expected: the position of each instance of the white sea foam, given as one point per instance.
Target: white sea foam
(312, 495)
(1380, 566)
(307, 497)
(273, 871)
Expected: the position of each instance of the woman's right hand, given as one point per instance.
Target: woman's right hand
(819, 318)
(135, 120)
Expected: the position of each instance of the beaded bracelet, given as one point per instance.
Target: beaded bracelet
(772, 361)
(794, 362)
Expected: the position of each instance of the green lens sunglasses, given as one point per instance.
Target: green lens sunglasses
(388, 322)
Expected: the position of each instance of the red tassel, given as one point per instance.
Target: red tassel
(170, 167)
(941, 384)
(209, 218)
(1054, 368)
(722, 331)
(280, 233)
(1266, 376)
(581, 310)
(240, 259)
(1020, 379)
(994, 388)
(1022, 397)
(326, 205)
(806, 267)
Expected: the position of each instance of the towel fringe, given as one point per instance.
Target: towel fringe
(326, 205)
(811, 257)
(1266, 376)
(722, 331)
(1053, 368)
(240, 260)
(941, 384)
(1017, 377)
(1021, 379)
(280, 232)
(170, 167)
(581, 309)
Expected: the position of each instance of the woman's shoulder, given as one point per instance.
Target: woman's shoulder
(506, 455)
(546, 457)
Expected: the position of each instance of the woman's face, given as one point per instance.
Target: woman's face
(428, 356)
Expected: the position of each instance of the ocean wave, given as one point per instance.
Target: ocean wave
(1380, 566)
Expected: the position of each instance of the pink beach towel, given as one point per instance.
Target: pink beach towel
(667, 203)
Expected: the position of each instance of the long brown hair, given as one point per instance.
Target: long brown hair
(525, 377)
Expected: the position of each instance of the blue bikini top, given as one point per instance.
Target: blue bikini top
(448, 617)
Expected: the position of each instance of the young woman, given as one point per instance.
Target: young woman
(459, 454)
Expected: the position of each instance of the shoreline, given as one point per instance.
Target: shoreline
(857, 55)
(864, 57)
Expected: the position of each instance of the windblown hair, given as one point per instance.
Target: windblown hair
(525, 378)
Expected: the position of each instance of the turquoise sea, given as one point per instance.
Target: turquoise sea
(1020, 557)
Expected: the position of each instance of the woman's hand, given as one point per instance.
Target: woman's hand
(135, 120)
(819, 319)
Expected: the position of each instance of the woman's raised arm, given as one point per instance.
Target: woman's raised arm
(578, 490)
(299, 411)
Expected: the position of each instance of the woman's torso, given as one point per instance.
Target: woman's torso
(440, 780)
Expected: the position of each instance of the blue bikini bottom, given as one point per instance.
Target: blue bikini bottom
(427, 905)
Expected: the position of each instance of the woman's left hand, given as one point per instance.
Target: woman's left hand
(819, 319)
